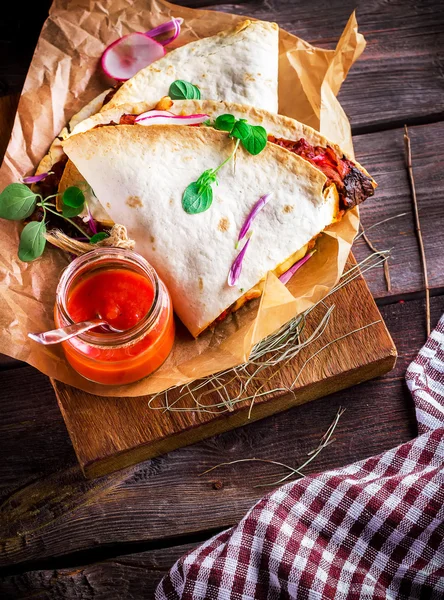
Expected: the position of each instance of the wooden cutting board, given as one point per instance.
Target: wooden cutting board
(111, 433)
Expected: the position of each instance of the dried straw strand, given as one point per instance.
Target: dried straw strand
(274, 351)
(374, 249)
(325, 441)
(409, 164)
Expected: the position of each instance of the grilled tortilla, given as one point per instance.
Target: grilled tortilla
(140, 173)
(352, 181)
(238, 65)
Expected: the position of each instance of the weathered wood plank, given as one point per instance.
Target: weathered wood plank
(8, 106)
(61, 513)
(131, 576)
(399, 77)
(6, 362)
(383, 155)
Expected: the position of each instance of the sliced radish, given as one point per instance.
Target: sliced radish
(163, 117)
(36, 178)
(173, 25)
(128, 55)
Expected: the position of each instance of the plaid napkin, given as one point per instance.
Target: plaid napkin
(374, 529)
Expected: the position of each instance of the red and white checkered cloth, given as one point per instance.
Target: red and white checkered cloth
(374, 529)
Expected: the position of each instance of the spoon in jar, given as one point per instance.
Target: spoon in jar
(55, 336)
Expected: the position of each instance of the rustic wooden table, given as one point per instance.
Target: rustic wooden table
(114, 537)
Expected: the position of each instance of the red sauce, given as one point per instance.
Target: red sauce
(119, 296)
(123, 297)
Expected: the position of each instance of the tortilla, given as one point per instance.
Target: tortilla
(239, 65)
(236, 65)
(276, 125)
(140, 173)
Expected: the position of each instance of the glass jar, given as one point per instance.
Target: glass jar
(117, 358)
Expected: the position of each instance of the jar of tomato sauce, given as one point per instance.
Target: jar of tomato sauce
(121, 287)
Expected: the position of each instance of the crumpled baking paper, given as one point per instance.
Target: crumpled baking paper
(64, 75)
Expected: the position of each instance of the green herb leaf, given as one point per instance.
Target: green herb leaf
(256, 141)
(98, 237)
(197, 198)
(71, 211)
(183, 90)
(32, 241)
(74, 197)
(207, 178)
(225, 122)
(17, 202)
(241, 130)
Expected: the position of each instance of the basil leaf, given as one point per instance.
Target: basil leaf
(71, 211)
(241, 130)
(17, 202)
(32, 241)
(225, 122)
(183, 90)
(197, 198)
(73, 196)
(256, 141)
(98, 237)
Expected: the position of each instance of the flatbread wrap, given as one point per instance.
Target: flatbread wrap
(351, 179)
(139, 175)
(239, 65)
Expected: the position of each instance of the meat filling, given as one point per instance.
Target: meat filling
(353, 185)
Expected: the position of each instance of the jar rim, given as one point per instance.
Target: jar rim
(97, 258)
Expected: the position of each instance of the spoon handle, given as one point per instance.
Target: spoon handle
(55, 336)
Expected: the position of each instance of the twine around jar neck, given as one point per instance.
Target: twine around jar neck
(118, 238)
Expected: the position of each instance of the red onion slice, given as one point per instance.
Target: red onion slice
(160, 117)
(285, 277)
(173, 25)
(236, 267)
(254, 211)
(35, 178)
(128, 55)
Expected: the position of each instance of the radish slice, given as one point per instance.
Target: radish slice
(36, 178)
(173, 25)
(285, 277)
(128, 55)
(236, 267)
(161, 117)
(259, 205)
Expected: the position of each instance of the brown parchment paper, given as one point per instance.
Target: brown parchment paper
(64, 75)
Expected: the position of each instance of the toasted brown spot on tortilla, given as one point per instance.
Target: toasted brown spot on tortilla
(201, 284)
(134, 201)
(153, 239)
(224, 224)
(108, 205)
(288, 208)
(164, 103)
(153, 248)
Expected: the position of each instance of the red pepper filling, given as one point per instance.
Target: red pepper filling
(353, 185)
